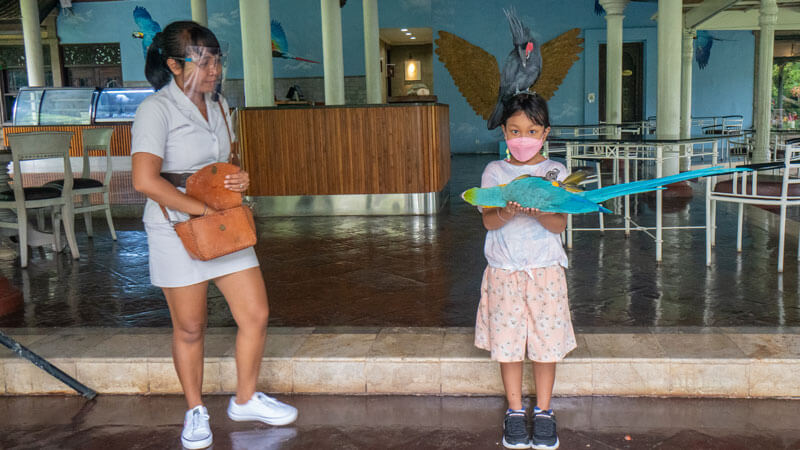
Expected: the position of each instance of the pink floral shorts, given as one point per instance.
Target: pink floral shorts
(525, 310)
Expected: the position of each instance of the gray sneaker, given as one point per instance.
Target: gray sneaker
(545, 436)
(515, 430)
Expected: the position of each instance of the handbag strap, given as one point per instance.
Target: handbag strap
(234, 155)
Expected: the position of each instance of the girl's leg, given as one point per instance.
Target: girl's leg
(512, 382)
(187, 308)
(246, 295)
(544, 375)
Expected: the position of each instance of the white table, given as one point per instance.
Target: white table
(641, 149)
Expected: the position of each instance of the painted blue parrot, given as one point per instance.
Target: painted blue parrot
(563, 197)
(702, 47)
(147, 27)
(598, 8)
(280, 45)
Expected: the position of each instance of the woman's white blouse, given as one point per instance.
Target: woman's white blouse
(170, 126)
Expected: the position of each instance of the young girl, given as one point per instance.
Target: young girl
(524, 305)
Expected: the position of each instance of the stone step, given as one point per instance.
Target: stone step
(714, 362)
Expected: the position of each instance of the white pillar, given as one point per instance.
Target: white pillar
(55, 54)
(200, 12)
(372, 52)
(332, 56)
(614, 26)
(259, 85)
(766, 42)
(32, 34)
(686, 89)
(668, 115)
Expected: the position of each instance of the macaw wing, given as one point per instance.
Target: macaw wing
(558, 56)
(279, 41)
(702, 48)
(145, 22)
(473, 69)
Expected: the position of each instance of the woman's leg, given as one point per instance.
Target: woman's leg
(246, 295)
(187, 308)
(512, 382)
(544, 375)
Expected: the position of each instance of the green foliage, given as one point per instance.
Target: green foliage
(791, 78)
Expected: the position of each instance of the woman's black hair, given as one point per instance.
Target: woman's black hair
(534, 106)
(171, 42)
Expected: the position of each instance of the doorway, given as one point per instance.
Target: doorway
(632, 82)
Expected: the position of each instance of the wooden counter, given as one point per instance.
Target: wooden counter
(120, 139)
(333, 150)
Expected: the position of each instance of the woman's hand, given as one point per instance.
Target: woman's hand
(237, 182)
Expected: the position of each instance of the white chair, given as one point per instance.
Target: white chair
(96, 141)
(745, 189)
(40, 146)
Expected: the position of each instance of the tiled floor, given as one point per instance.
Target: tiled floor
(337, 422)
(426, 270)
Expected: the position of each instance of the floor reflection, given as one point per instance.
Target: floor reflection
(426, 271)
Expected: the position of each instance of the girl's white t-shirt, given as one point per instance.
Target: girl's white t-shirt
(523, 243)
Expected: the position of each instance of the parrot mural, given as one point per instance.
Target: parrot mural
(521, 69)
(147, 27)
(280, 45)
(566, 197)
(598, 8)
(702, 47)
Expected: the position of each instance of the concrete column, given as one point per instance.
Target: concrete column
(332, 56)
(668, 115)
(259, 85)
(200, 12)
(686, 88)
(766, 42)
(55, 54)
(32, 34)
(614, 26)
(372, 52)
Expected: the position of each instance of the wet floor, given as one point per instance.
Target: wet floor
(336, 422)
(426, 271)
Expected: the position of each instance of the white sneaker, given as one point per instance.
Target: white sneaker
(263, 409)
(196, 430)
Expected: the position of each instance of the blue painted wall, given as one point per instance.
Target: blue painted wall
(725, 86)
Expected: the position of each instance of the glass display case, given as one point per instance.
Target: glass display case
(77, 106)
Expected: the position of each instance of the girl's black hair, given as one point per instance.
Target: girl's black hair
(534, 106)
(171, 42)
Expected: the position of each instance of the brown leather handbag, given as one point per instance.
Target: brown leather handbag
(228, 230)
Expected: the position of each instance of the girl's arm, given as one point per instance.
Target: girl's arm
(494, 218)
(147, 180)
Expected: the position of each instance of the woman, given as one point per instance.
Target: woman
(178, 130)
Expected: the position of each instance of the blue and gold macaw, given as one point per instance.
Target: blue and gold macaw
(566, 197)
(280, 45)
(147, 27)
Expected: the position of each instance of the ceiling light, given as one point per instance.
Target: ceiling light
(413, 37)
(403, 29)
(408, 34)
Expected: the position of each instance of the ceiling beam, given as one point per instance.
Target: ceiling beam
(705, 11)
(788, 19)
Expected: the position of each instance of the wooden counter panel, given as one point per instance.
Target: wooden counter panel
(120, 139)
(348, 150)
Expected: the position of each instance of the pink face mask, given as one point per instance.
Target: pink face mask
(524, 148)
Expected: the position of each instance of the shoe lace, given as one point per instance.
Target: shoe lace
(265, 399)
(515, 424)
(544, 424)
(198, 417)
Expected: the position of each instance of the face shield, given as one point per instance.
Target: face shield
(204, 70)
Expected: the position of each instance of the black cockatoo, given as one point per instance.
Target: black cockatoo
(521, 68)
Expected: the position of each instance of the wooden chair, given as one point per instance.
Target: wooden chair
(40, 146)
(96, 141)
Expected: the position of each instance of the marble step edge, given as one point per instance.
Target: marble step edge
(575, 376)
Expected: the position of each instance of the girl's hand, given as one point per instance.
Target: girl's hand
(237, 182)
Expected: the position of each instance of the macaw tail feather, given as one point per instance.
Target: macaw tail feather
(492, 196)
(637, 187)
